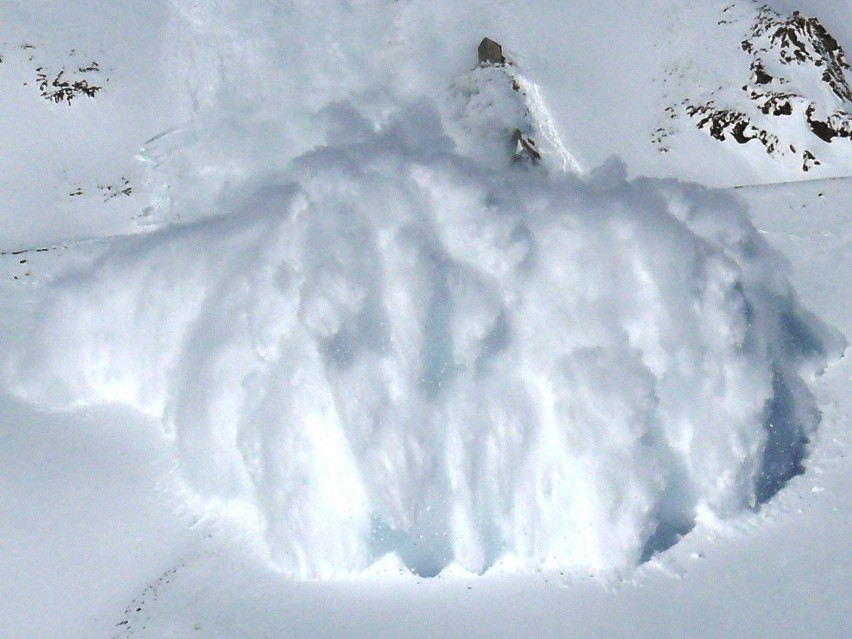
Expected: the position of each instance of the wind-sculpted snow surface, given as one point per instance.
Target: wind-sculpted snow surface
(393, 349)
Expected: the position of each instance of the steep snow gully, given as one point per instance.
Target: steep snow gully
(373, 338)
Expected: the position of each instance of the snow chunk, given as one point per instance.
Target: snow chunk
(391, 349)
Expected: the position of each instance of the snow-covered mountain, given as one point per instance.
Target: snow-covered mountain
(365, 296)
(799, 96)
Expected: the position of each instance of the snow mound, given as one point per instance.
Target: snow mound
(393, 349)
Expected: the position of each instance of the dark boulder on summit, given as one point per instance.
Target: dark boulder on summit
(490, 52)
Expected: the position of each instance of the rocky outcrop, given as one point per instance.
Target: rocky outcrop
(61, 88)
(723, 123)
(798, 40)
(491, 52)
(525, 149)
(836, 125)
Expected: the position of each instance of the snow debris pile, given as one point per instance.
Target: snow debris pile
(393, 349)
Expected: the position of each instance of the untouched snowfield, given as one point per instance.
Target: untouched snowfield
(312, 326)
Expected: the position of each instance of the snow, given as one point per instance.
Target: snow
(497, 368)
(44, 142)
(335, 333)
(84, 518)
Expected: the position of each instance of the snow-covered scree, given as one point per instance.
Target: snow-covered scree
(391, 348)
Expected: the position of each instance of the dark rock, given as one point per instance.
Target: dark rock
(525, 150)
(821, 130)
(721, 123)
(490, 52)
(60, 89)
(802, 40)
(760, 75)
(837, 125)
(774, 102)
(809, 161)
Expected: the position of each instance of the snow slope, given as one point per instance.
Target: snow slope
(69, 169)
(359, 338)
